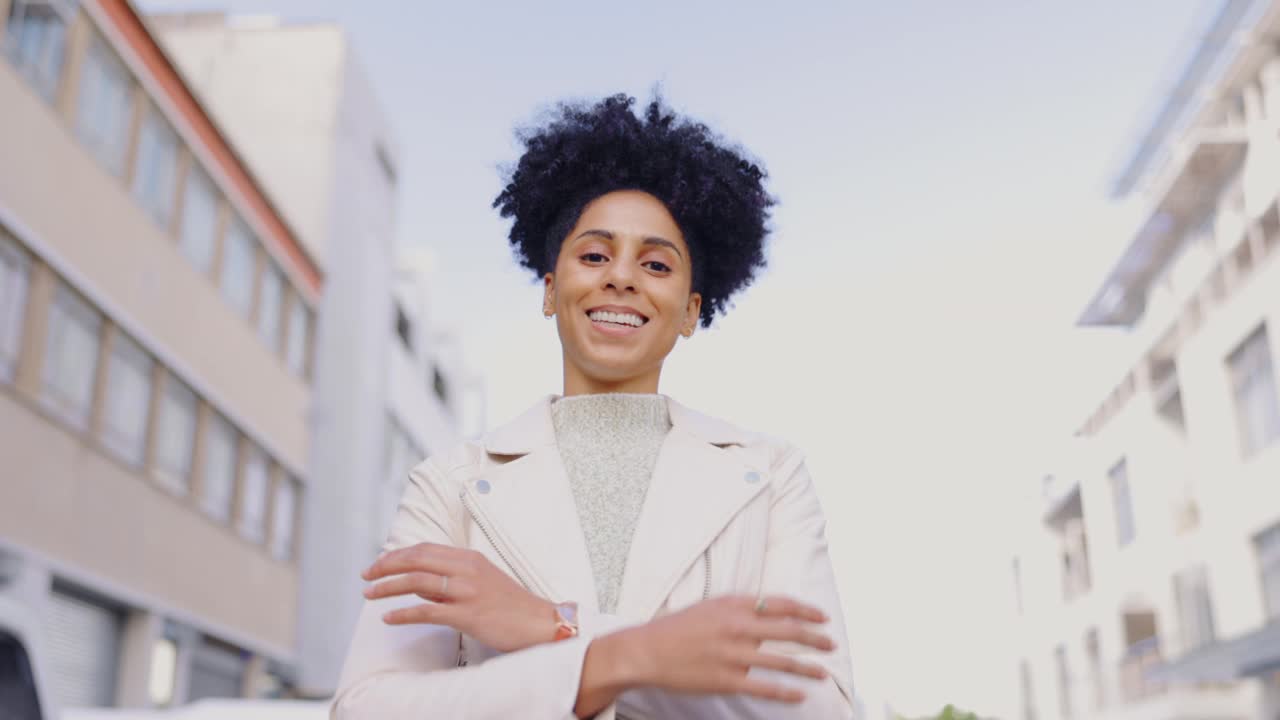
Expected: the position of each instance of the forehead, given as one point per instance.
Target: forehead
(630, 213)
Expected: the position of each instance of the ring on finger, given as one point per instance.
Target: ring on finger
(444, 584)
(761, 604)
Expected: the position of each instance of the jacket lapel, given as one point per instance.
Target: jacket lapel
(531, 510)
(701, 480)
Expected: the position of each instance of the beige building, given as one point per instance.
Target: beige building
(156, 322)
(1148, 576)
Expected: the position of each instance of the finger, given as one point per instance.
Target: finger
(782, 606)
(423, 557)
(784, 663)
(425, 614)
(428, 586)
(791, 631)
(769, 691)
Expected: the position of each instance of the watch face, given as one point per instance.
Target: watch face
(568, 612)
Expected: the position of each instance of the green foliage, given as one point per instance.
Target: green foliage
(950, 712)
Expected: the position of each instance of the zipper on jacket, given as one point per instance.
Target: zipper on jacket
(493, 541)
(706, 582)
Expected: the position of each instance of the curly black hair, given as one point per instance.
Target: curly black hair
(713, 190)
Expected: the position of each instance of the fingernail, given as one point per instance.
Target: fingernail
(386, 617)
(368, 592)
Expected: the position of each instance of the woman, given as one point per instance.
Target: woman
(611, 552)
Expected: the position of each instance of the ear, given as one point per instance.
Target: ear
(691, 313)
(549, 294)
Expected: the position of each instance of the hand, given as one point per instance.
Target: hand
(710, 646)
(479, 599)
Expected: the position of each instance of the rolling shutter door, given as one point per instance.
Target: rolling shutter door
(217, 671)
(84, 648)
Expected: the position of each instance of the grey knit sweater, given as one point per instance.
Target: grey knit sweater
(609, 443)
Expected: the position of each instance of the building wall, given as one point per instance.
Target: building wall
(293, 154)
(1198, 498)
(77, 515)
(289, 91)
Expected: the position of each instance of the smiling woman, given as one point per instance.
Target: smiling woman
(611, 553)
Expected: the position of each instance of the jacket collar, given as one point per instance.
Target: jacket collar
(534, 429)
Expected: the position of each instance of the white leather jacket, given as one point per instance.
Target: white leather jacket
(727, 511)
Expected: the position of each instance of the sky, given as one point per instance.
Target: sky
(943, 171)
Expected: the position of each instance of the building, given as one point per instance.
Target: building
(156, 336)
(1148, 576)
(389, 388)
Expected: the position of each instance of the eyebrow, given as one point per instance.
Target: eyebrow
(652, 240)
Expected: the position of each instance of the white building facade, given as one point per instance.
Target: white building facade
(297, 101)
(1148, 575)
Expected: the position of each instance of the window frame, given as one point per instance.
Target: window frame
(221, 505)
(75, 307)
(237, 238)
(1250, 370)
(94, 134)
(172, 387)
(196, 180)
(1122, 490)
(16, 265)
(46, 75)
(125, 349)
(154, 185)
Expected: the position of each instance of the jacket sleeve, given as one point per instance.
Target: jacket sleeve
(796, 564)
(411, 671)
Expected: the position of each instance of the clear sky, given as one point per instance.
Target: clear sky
(942, 168)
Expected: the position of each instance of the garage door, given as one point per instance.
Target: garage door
(217, 671)
(84, 649)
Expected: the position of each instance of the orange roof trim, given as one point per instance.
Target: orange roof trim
(130, 26)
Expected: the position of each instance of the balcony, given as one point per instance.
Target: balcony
(1135, 671)
(1199, 167)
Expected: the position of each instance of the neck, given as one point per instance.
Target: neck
(579, 383)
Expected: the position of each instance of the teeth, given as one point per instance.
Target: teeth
(617, 318)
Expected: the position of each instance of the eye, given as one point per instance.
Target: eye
(658, 266)
(594, 257)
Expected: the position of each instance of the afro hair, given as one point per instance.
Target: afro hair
(713, 191)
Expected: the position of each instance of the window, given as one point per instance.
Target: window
(104, 107)
(37, 41)
(269, 306)
(1195, 608)
(404, 329)
(299, 336)
(157, 165)
(253, 496)
(1093, 650)
(1064, 681)
(219, 480)
(439, 384)
(1267, 546)
(1017, 586)
(199, 230)
(237, 268)
(15, 269)
(128, 400)
(1123, 502)
(71, 357)
(1253, 381)
(1028, 691)
(175, 435)
(283, 512)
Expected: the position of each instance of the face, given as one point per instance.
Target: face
(621, 293)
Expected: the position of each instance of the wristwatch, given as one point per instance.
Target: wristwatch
(566, 620)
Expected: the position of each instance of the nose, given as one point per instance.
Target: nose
(620, 276)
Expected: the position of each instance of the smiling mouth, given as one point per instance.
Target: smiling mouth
(615, 319)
